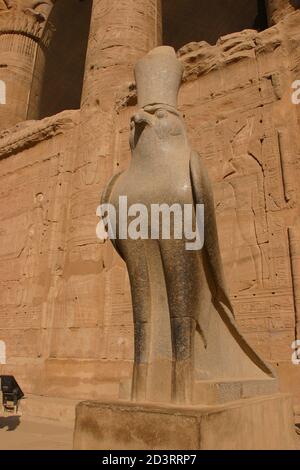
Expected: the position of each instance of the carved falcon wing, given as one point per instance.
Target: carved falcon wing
(105, 199)
(203, 194)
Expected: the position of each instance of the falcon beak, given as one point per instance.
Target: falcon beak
(141, 118)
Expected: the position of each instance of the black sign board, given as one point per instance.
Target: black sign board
(10, 385)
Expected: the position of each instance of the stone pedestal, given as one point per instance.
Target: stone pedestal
(247, 424)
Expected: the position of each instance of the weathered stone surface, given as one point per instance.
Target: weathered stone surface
(239, 113)
(56, 277)
(29, 133)
(254, 424)
(278, 9)
(23, 31)
(184, 326)
(92, 334)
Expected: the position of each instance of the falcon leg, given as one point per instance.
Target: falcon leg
(182, 376)
(133, 253)
(181, 273)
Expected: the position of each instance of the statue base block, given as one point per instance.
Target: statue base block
(256, 423)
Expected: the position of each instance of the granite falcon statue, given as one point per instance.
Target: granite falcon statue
(184, 326)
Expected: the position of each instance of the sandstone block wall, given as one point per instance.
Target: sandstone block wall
(65, 307)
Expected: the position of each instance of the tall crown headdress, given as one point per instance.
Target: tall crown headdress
(158, 77)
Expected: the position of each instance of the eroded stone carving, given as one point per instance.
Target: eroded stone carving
(25, 33)
(38, 9)
(200, 58)
(26, 17)
(27, 134)
(278, 9)
(185, 332)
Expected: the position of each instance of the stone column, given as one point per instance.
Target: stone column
(121, 32)
(22, 28)
(278, 9)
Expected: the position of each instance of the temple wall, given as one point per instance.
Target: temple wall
(95, 288)
(278, 9)
(35, 172)
(238, 104)
(242, 121)
(90, 343)
(65, 308)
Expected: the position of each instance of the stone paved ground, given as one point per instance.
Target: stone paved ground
(26, 433)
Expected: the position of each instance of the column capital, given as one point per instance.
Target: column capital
(25, 17)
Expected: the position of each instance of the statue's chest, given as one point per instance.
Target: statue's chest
(156, 184)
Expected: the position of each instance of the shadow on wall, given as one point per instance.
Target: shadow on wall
(65, 59)
(200, 20)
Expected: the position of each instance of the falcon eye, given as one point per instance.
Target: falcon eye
(160, 113)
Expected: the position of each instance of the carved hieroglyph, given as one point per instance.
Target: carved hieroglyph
(184, 322)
